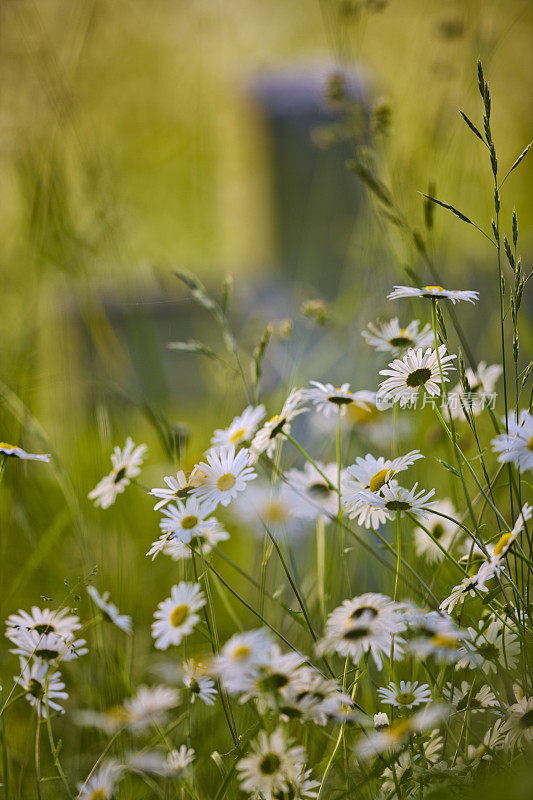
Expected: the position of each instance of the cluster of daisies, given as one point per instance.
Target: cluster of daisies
(392, 673)
(45, 639)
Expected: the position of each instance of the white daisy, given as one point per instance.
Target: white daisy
(109, 721)
(371, 473)
(109, 610)
(517, 445)
(493, 562)
(493, 646)
(464, 698)
(222, 476)
(303, 786)
(403, 770)
(265, 439)
(518, 728)
(366, 513)
(433, 292)
(43, 688)
(15, 451)
(149, 706)
(298, 691)
(446, 532)
(42, 621)
(273, 765)
(492, 740)
(240, 659)
(265, 506)
(179, 760)
(435, 634)
(178, 486)
(200, 685)
(310, 697)
(393, 499)
(48, 646)
(415, 370)
(328, 399)
(184, 520)
(272, 676)
(153, 762)
(103, 783)
(176, 616)
(126, 465)
(364, 624)
(406, 695)
(393, 737)
(309, 494)
(385, 739)
(482, 384)
(241, 429)
(468, 587)
(433, 747)
(389, 337)
(210, 533)
(499, 550)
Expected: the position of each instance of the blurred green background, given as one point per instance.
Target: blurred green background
(133, 141)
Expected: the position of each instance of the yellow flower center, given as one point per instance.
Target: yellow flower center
(189, 522)
(98, 794)
(380, 479)
(502, 544)
(434, 288)
(399, 729)
(405, 698)
(237, 436)
(530, 443)
(117, 714)
(278, 423)
(444, 640)
(275, 512)
(179, 615)
(357, 414)
(241, 652)
(344, 710)
(9, 446)
(226, 482)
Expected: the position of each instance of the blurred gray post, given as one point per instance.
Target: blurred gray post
(316, 199)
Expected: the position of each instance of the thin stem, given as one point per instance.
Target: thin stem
(53, 748)
(211, 627)
(307, 457)
(338, 448)
(38, 755)
(5, 760)
(330, 762)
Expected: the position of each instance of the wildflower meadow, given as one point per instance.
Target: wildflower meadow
(310, 578)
